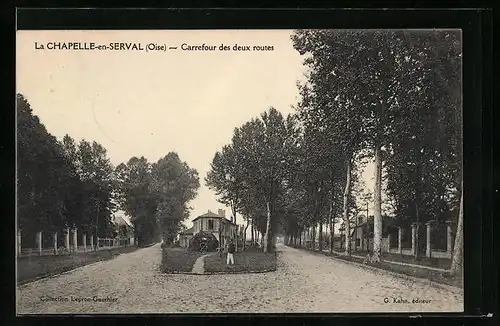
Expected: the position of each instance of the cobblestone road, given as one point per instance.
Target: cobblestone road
(304, 282)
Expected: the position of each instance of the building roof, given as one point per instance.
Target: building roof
(212, 215)
(119, 218)
(209, 214)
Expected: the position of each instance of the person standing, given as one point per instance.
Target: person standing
(230, 253)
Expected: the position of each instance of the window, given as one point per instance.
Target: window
(210, 224)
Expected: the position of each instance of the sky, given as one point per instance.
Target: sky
(148, 103)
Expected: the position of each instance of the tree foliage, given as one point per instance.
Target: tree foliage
(59, 184)
(395, 94)
(249, 173)
(157, 195)
(64, 184)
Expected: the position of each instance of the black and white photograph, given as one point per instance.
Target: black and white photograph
(239, 171)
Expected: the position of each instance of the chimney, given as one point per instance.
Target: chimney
(222, 213)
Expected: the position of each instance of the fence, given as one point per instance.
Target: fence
(435, 240)
(66, 242)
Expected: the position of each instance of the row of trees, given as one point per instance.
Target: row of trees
(393, 97)
(60, 183)
(65, 183)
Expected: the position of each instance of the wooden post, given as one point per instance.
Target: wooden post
(39, 242)
(75, 238)
(55, 243)
(428, 249)
(92, 243)
(66, 239)
(400, 240)
(413, 237)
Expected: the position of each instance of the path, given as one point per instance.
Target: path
(199, 265)
(304, 282)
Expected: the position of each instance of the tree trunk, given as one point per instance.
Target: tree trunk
(233, 218)
(245, 235)
(310, 237)
(456, 262)
(253, 233)
(236, 237)
(332, 225)
(268, 236)
(313, 237)
(377, 208)
(320, 235)
(347, 224)
(331, 234)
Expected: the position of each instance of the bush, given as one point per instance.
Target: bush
(203, 239)
(253, 248)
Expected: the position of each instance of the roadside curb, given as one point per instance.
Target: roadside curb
(425, 281)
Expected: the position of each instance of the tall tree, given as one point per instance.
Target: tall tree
(332, 98)
(225, 178)
(42, 175)
(251, 170)
(135, 198)
(174, 184)
(157, 195)
(367, 79)
(96, 173)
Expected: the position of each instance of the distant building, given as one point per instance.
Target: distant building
(124, 229)
(210, 222)
(184, 237)
(362, 233)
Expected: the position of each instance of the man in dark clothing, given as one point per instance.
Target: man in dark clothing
(230, 252)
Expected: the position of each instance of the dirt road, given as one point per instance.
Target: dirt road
(304, 282)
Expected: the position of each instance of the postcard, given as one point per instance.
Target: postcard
(239, 171)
